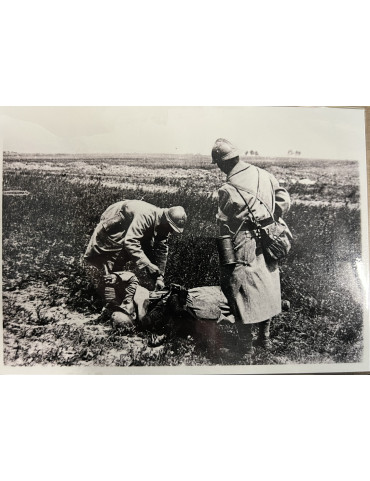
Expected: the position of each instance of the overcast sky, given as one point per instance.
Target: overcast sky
(272, 131)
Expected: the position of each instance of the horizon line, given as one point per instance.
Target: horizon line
(286, 156)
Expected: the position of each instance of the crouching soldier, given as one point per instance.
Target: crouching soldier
(133, 235)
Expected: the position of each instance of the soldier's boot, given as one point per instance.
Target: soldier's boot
(263, 337)
(113, 295)
(245, 343)
(127, 305)
(110, 303)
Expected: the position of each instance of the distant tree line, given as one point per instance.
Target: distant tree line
(255, 152)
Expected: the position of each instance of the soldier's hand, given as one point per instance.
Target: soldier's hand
(153, 270)
(159, 283)
(111, 279)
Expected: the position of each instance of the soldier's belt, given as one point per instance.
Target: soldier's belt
(248, 225)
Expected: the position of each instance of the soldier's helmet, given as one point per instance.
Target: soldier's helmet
(223, 150)
(121, 320)
(176, 217)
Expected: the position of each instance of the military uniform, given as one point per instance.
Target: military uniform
(131, 232)
(252, 287)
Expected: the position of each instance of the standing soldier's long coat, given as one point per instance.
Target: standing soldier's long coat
(252, 287)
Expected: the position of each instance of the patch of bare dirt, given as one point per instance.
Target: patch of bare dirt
(36, 332)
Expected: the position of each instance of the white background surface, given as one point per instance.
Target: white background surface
(184, 53)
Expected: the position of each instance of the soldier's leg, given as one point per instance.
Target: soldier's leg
(128, 282)
(232, 278)
(125, 291)
(123, 312)
(263, 337)
(109, 290)
(245, 342)
(106, 267)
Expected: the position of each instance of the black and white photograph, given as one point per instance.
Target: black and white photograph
(184, 240)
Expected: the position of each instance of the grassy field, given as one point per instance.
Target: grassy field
(49, 296)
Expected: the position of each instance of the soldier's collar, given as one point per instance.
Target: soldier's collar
(239, 167)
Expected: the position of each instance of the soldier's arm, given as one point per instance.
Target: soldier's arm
(282, 199)
(226, 210)
(161, 253)
(139, 225)
(282, 202)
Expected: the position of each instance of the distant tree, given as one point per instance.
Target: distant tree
(290, 152)
(246, 152)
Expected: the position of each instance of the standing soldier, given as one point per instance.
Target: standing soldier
(252, 285)
(132, 230)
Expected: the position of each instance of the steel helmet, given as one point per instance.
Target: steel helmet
(121, 320)
(223, 150)
(176, 217)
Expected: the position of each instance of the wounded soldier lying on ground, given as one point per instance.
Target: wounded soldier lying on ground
(175, 309)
